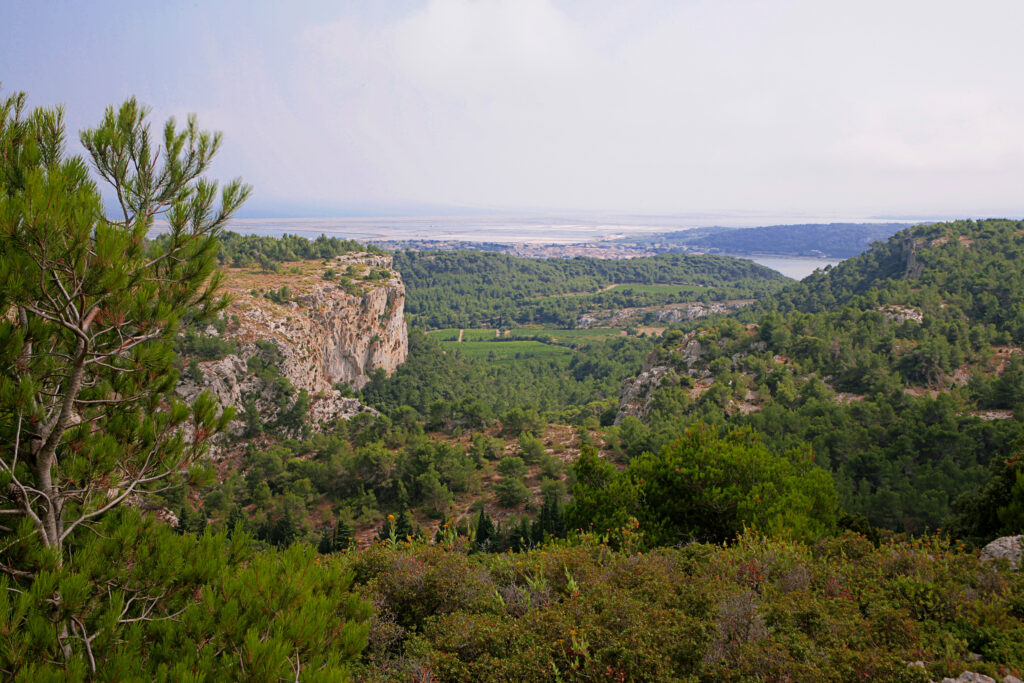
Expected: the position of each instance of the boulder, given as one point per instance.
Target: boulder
(1006, 547)
(970, 677)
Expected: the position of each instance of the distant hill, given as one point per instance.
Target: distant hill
(966, 269)
(831, 240)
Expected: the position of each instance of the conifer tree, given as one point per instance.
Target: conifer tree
(87, 417)
(337, 537)
(88, 308)
(485, 532)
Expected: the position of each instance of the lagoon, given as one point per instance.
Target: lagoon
(796, 267)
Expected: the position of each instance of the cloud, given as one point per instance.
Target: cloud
(651, 106)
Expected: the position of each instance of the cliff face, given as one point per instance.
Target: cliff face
(313, 324)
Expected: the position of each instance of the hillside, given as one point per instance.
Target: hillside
(474, 289)
(474, 513)
(902, 367)
(832, 240)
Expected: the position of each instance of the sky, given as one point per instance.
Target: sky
(871, 108)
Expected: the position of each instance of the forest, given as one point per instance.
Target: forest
(475, 289)
(767, 506)
(902, 368)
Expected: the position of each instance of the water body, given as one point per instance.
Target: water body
(796, 267)
(512, 229)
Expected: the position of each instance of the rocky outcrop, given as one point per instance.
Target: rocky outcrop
(637, 394)
(901, 314)
(320, 326)
(669, 313)
(971, 677)
(1006, 548)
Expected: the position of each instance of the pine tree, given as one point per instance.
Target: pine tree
(405, 525)
(90, 305)
(337, 537)
(86, 367)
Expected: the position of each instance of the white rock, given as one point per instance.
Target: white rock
(1008, 547)
(970, 677)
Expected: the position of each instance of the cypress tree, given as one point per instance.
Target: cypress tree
(484, 540)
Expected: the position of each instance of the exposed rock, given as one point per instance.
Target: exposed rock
(692, 312)
(970, 677)
(691, 353)
(335, 406)
(638, 393)
(167, 515)
(989, 415)
(1007, 547)
(327, 332)
(668, 313)
(902, 314)
(227, 378)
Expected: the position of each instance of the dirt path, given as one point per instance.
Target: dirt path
(460, 337)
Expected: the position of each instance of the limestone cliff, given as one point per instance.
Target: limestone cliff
(314, 324)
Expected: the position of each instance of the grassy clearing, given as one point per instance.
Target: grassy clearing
(507, 351)
(561, 335)
(451, 334)
(558, 335)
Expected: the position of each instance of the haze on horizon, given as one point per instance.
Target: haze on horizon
(787, 107)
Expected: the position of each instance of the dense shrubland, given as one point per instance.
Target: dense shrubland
(838, 609)
(243, 251)
(451, 387)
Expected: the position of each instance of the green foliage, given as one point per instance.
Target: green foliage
(913, 333)
(144, 603)
(279, 296)
(88, 418)
(453, 389)
(87, 365)
(512, 466)
(757, 609)
(256, 250)
(203, 347)
(834, 240)
(708, 487)
(602, 498)
(511, 490)
(470, 289)
(995, 508)
(531, 448)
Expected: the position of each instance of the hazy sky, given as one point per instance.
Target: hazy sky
(895, 107)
